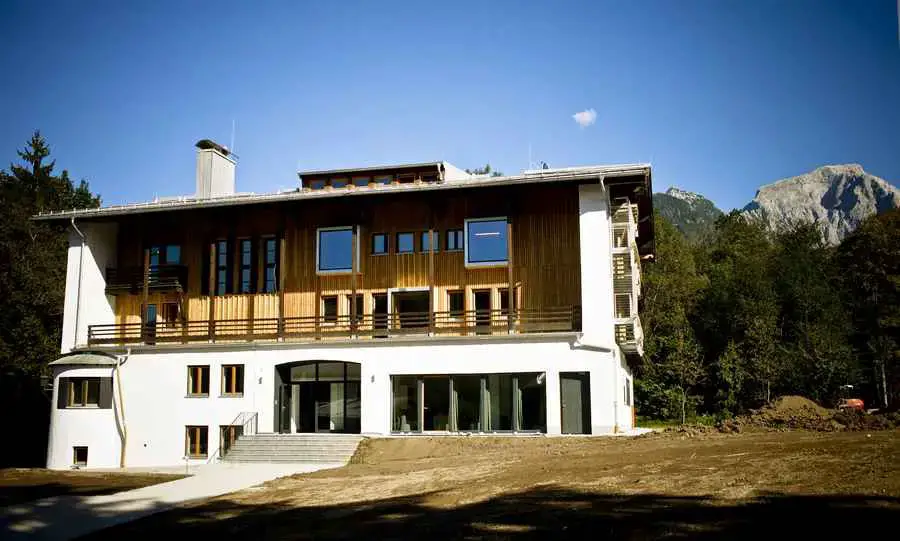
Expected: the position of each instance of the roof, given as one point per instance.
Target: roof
(86, 359)
(370, 169)
(569, 174)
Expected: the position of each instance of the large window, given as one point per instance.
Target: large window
(232, 380)
(83, 392)
(271, 265)
(470, 403)
(454, 240)
(406, 243)
(335, 250)
(486, 242)
(223, 282)
(247, 285)
(406, 404)
(198, 380)
(196, 439)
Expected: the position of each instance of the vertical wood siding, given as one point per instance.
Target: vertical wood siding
(545, 249)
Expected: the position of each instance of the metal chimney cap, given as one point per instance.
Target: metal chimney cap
(209, 144)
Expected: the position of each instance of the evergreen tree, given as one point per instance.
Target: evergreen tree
(868, 262)
(33, 256)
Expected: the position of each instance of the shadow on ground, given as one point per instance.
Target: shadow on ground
(545, 513)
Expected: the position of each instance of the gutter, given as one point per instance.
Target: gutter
(78, 286)
(120, 360)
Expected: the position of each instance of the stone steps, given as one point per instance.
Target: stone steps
(294, 448)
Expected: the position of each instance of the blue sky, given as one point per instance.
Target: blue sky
(720, 96)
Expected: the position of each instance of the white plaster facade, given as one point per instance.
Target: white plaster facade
(154, 407)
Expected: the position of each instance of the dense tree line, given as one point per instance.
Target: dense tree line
(749, 314)
(32, 278)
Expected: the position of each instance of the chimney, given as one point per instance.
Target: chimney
(215, 170)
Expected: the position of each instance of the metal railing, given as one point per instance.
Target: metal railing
(364, 326)
(160, 277)
(245, 424)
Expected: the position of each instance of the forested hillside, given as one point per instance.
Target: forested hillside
(753, 314)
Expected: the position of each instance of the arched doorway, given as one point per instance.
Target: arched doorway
(318, 396)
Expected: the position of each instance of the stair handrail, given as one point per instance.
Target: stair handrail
(249, 423)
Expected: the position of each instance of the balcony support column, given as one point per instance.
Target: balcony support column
(145, 292)
(511, 287)
(212, 292)
(354, 254)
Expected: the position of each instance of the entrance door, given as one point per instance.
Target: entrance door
(412, 309)
(322, 397)
(482, 311)
(575, 402)
(380, 314)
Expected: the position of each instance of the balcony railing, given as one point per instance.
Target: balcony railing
(366, 326)
(630, 335)
(131, 279)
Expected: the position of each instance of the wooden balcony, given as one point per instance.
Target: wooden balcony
(364, 327)
(161, 278)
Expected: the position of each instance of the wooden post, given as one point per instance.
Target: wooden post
(431, 276)
(212, 292)
(145, 292)
(318, 305)
(510, 290)
(280, 285)
(353, 255)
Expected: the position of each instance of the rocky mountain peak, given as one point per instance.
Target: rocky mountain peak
(837, 197)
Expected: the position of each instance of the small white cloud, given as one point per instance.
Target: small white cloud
(585, 118)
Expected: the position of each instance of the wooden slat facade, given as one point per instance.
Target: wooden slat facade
(544, 227)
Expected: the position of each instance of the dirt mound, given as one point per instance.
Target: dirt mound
(797, 412)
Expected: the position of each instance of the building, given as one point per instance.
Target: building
(399, 300)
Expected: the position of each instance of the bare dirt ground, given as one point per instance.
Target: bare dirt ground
(18, 485)
(772, 484)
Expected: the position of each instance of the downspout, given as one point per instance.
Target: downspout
(78, 286)
(616, 390)
(120, 361)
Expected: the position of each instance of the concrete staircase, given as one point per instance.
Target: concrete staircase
(294, 448)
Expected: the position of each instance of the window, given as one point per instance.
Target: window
(338, 183)
(504, 300)
(79, 456)
(246, 266)
(196, 439)
(454, 240)
(627, 392)
(232, 380)
(198, 380)
(316, 184)
(359, 306)
(379, 244)
(455, 301)
(384, 180)
(223, 284)
(329, 309)
(426, 242)
(406, 243)
(361, 182)
(170, 314)
(228, 434)
(486, 242)
(335, 250)
(165, 254)
(82, 392)
(271, 265)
